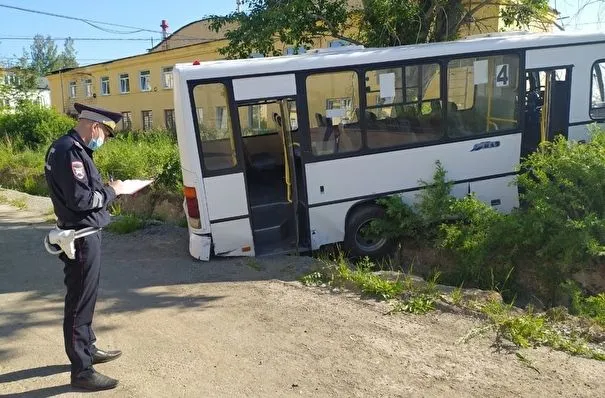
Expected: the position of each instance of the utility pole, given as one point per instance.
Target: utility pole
(238, 5)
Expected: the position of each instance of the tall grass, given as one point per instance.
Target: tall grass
(22, 170)
(136, 155)
(130, 155)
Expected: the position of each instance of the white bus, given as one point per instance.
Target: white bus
(290, 153)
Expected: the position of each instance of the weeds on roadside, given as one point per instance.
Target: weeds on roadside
(410, 296)
(254, 264)
(126, 224)
(592, 307)
(18, 203)
(531, 330)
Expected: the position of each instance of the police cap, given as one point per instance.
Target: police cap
(108, 118)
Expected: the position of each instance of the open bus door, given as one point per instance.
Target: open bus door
(547, 103)
(290, 168)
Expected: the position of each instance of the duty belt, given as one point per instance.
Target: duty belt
(61, 240)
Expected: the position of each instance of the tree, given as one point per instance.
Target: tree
(45, 56)
(376, 23)
(67, 59)
(19, 81)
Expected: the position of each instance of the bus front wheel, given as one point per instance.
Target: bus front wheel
(359, 239)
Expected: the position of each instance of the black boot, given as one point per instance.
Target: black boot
(101, 356)
(93, 381)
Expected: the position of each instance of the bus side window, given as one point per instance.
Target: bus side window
(332, 100)
(403, 105)
(597, 100)
(482, 95)
(216, 133)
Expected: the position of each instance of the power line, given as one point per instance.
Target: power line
(93, 22)
(87, 38)
(78, 59)
(88, 21)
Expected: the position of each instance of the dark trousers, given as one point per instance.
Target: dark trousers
(82, 282)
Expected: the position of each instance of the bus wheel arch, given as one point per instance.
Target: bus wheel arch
(359, 216)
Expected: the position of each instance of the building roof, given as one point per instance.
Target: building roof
(121, 59)
(196, 32)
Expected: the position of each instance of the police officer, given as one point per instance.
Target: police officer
(80, 200)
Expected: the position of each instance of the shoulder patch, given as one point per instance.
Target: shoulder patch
(78, 169)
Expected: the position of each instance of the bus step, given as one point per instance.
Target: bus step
(270, 215)
(271, 234)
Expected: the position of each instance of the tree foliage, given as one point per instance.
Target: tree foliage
(18, 82)
(375, 23)
(45, 56)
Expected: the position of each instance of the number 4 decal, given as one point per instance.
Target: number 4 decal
(502, 78)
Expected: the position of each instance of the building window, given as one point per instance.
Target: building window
(597, 99)
(145, 80)
(11, 79)
(338, 43)
(290, 50)
(200, 115)
(105, 85)
(167, 77)
(126, 120)
(124, 83)
(215, 128)
(482, 95)
(147, 120)
(169, 117)
(221, 118)
(333, 103)
(72, 90)
(403, 105)
(88, 88)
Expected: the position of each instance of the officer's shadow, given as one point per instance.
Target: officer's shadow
(43, 371)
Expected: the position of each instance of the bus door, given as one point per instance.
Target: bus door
(547, 103)
(268, 131)
(222, 189)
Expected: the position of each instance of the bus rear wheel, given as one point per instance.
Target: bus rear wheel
(359, 242)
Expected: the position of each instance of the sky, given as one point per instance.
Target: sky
(148, 14)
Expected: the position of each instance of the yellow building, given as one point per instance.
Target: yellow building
(140, 86)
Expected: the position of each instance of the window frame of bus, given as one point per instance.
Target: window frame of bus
(402, 67)
(520, 93)
(302, 90)
(231, 107)
(301, 78)
(590, 107)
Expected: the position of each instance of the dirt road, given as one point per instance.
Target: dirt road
(234, 328)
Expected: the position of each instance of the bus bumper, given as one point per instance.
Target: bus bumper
(199, 246)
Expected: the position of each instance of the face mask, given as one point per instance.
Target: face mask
(96, 143)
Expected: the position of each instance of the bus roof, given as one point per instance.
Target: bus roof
(356, 55)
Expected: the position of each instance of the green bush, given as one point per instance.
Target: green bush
(483, 242)
(592, 307)
(33, 127)
(22, 170)
(563, 215)
(134, 155)
(131, 155)
(420, 221)
(558, 230)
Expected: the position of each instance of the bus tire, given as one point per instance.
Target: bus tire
(355, 244)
